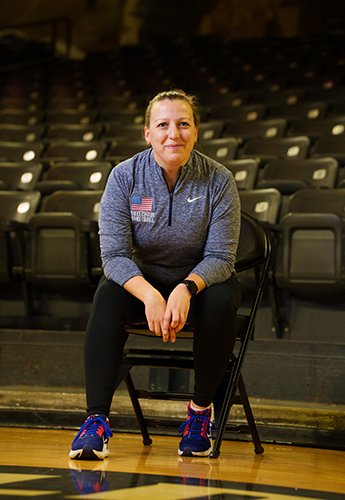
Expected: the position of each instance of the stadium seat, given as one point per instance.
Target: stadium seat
(62, 240)
(310, 256)
(21, 133)
(21, 151)
(264, 150)
(245, 172)
(64, 150)
(16, 210)
(260, 128)
(222, 149)
(330, 146)
(73, 132)
(73, 176)
(121, 149)
(19, 176)
(289, 176)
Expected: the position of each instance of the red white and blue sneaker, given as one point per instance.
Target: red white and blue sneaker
(91, 442)
(196, 440)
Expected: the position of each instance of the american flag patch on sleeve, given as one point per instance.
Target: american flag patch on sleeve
(141, 203)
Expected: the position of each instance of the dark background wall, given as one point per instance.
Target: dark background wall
(103, 24)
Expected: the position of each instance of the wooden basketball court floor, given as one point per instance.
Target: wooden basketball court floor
(34, 463)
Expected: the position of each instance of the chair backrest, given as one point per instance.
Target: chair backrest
(62, 241)
(19, 206)
(74, 176)
(73, 132)
(310, 250)
(289, 176)
(247, 113)
(23, 177)
(75, 150)
(84, 204)
(318, 201)
(21, 151)
(254, 247)
(309, 110)
(261, 128)
(292, 148)
(314, 129)
(21, 133)
(263, 204)
(15, 207)
(245, 172)
(210, 130)
(333, 146)
(220, 149)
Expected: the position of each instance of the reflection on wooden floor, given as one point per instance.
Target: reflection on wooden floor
(34, 463)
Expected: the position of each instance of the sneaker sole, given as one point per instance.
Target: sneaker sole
(88, 454)
(191, 453)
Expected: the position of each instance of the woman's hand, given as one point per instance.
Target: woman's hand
(155, 307)
(176, 312)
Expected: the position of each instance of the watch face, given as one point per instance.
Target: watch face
(192, 287)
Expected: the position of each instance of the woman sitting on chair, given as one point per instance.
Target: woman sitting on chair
(169, 227)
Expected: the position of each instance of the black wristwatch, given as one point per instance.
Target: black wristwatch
(191, 286)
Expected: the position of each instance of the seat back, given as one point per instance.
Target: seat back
(75, 150)
(291, 148)
(62, 247)
(21, 151)
(310, 252)
(220, 149)
(289, 176)
(22, 177)
(263, 204)
(74, 176)
(245, 172)
(16, 209)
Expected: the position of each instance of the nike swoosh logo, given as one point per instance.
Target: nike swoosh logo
(190, 200)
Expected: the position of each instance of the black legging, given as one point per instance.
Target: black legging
(212, 316)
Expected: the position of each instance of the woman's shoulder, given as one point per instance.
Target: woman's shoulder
(209, 165)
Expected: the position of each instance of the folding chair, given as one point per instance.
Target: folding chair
(254, 252)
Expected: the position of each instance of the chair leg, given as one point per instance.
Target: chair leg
(227, 390)
(258, 448)
(137, 409)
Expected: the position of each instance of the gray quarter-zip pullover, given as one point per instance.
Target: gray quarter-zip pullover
(146, 229)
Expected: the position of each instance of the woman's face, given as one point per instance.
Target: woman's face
(172, 132)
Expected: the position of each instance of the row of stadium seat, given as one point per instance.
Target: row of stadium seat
(285, 175)
(53, 241)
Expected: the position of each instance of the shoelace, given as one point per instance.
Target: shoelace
(197, 426)
(91, 426)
